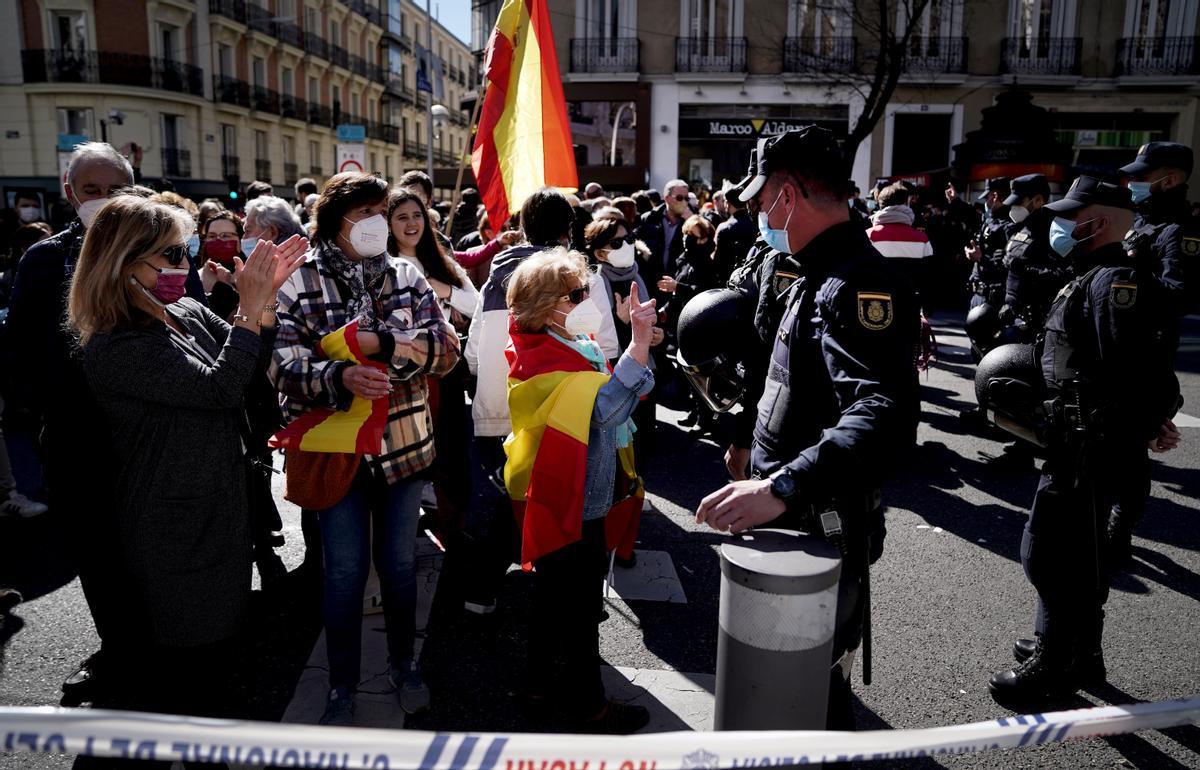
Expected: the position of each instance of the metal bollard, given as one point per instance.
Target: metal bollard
(775, 643)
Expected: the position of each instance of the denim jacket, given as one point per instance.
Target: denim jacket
(615, 403)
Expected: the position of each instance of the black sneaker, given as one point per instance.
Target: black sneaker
(617, 718)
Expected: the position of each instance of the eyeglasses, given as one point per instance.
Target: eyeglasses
(679, 198)
(221, 237)
(617, 243)
(576, 296)
(176, 254)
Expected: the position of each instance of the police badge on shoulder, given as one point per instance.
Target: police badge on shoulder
(875, 310)
(1123, 295)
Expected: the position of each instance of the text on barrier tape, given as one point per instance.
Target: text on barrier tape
(156, 736)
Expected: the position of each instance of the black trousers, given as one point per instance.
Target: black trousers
(1133, 490)
(564, 633)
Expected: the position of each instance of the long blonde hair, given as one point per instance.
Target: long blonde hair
(126, 232)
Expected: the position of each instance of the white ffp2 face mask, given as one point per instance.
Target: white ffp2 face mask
(88, 210)
(368, 236)
(1018, 214)
(622, 257)
(583, 320)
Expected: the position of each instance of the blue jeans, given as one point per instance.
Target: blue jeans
(346, 534)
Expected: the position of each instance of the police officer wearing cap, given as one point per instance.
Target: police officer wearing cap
(1167, 240)
(840, 396)
(988, 276)
(1035, 273)
(1107, 368)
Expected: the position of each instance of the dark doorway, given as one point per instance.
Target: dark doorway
(920, 142)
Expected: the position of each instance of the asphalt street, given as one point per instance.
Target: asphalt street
(949, 598)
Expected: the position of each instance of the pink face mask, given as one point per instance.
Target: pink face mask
(170, 286)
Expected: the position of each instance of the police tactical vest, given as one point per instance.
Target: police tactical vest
(1065, 346)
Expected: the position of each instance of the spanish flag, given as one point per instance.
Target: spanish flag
(356, 431)
(524, 139)
(551, 393)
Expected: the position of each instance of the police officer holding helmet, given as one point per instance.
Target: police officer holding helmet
(1108, 369)
(987, 250)
(1035, 273)
(840, 398)
(1167, 241)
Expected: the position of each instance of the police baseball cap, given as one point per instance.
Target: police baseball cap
(1090, 191)
(997, 184)
(806, 150)
(1026, 187)
(735, 192)
(1157, 155)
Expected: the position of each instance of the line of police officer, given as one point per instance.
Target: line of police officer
(829, 388)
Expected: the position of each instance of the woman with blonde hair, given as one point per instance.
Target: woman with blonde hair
(560, 390)
(170, 378)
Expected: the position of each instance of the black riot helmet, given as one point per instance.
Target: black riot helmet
(710, 329)
(983, 327)
(1010, 389)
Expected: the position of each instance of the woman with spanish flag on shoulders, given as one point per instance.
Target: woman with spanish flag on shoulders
(571, 424)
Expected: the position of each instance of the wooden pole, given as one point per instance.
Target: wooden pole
(461, 158)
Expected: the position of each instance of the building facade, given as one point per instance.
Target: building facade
(218, 93)
(701, 80)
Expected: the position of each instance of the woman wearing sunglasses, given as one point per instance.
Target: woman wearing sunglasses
(170, 377)
(559, 376)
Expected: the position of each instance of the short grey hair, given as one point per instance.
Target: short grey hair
(669, 186)
(97, 152)
(267, 210)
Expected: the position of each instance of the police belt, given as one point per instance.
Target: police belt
(1076, 413)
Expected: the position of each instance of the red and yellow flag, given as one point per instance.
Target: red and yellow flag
(358, 430)
(524, 139)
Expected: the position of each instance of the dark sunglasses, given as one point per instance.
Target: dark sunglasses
(617, 243)
(679, 198)
(176, 254)
(576, 296)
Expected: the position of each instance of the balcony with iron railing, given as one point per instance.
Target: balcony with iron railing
(339, 56)
(259, 19)
(230, 9)
(262, 170)
(227, 90)
(290, 34)
(394, 85)
(264, 99)
(710, 54)
(176, 162)
(366, 9)
(293, 107)
(320, 115)
(1158, 57)
(123, 69)
(936, 56)
(819, 55)
(413, 149)
(315, 170)
(368, 70)
(605, 56)
(1043, 56)
(316, 45)
(383, 132)
(291, 172)
(230, 166)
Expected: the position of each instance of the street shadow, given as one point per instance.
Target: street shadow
(35, 556)
(866, 719)
(1137, 750)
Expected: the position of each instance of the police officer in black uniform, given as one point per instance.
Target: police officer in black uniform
(839, 400)
(1035, 273)
(1167, 241)
(734, 236)
(1107, 365)
(988, 276)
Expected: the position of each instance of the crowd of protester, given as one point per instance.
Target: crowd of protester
(199, 332)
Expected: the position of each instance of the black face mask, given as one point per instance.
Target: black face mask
(696, 247)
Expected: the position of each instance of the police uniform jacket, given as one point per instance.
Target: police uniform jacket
(1035, 272)
(993, 242)
(839, 401)
(1107, 330)
(1171, 236)
(734, 239)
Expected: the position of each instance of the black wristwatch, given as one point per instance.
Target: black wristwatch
(783, 485)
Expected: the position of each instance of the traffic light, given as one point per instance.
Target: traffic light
(234, 185)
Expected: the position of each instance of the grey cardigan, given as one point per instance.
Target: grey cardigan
(176, 416)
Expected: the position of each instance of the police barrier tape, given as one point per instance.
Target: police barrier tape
(157, 736)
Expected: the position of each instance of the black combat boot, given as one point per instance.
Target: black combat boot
(1089, 652)
(1023, 648)
(1044, 674)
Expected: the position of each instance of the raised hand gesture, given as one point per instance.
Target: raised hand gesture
(642, 317)
(291, 254)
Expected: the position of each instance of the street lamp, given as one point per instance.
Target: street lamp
(114, 116)
(438, 115)
(612, 155)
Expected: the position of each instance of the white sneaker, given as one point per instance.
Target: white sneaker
(18, 504)
(373, 604)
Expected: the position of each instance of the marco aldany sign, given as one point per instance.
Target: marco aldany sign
(742, 128)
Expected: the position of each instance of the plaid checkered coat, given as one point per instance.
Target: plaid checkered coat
(311, 305)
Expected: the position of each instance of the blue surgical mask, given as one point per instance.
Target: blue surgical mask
(1140, 191)
(1062, 235)
(193, 245)
(248, 245)
(776, 239)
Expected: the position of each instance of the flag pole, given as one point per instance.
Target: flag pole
(471, 129)
(429, 74)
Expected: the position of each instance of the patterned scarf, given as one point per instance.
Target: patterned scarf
(358, 278)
